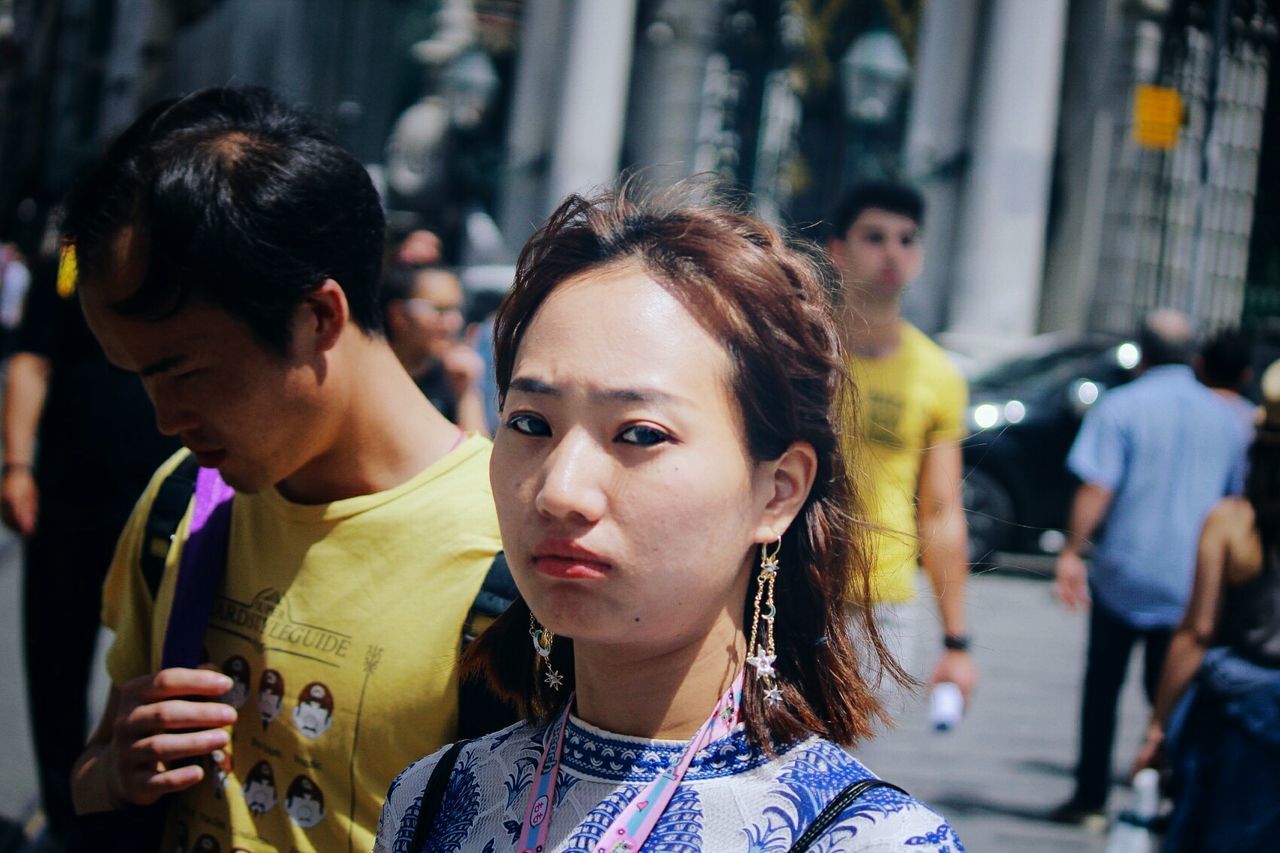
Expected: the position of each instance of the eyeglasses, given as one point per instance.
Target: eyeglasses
(417, 303)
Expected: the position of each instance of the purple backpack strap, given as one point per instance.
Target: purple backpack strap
(204, 561)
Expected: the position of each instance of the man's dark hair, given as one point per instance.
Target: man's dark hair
(238, 200)
(892, 196)
(1226, 358)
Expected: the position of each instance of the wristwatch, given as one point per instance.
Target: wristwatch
(956, 642)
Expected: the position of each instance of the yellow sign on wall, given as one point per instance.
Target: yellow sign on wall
(1157, 116)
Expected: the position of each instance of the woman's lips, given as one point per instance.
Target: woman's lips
(571, 568)
(564, 558)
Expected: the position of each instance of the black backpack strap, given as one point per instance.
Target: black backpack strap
(495, 596)
(170, 505)
(479, 710)
(835, 808)
(433, 796)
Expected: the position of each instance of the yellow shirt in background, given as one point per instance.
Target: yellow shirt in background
(908, 401)
(341, 626)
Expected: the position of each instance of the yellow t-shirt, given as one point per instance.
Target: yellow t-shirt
(909, 401)
(341, 625)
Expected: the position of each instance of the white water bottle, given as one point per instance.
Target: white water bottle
(1132, 830)
(946, 706)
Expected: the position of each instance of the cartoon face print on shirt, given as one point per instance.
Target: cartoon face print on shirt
(205, 844)
(270, 696)
(237, 669)
(304, 802)
(260, 789)
(219, 769)
(314, 713)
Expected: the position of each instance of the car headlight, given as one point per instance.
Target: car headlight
(989, 415)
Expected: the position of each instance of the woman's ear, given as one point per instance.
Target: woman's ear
(790, 477)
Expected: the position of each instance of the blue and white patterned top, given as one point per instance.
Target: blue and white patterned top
(734, 797)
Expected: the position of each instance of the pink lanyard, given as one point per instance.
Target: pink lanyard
(629, 830)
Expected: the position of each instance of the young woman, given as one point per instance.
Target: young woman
(1219, 696)
(677, 510)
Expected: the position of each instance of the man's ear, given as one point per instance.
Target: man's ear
(791, 477)
(324, 315)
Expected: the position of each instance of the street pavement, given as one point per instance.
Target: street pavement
(993, 777)
(1010, 760)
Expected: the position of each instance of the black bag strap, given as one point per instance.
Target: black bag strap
(480, 711)
(835, 808)
(495, 596)
(433, 796)
(168, 508)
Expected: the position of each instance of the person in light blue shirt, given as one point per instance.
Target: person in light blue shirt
(1153, 457)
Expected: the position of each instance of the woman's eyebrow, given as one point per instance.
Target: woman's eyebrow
(533, 385)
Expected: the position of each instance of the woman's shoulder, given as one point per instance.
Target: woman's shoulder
(404, 798)
(823, 781)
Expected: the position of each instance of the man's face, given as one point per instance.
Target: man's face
(239, 405)
(312, 719)
(432, 318)
(879, 255)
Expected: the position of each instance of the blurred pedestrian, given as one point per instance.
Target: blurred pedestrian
(423, 306)
(479, 336)
(1219, 697)
(1153, 457)
(15, 282)
(80, 444)
(229, 253)
(672, 488)
(1225, 365)
(914, 402)
(419, 248)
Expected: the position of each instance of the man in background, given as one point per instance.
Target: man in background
(80, 444)
(1152, 457)
(1225, 366)
(423, 308)
(913, 404)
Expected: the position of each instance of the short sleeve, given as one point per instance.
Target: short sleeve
(949, 420)
(127, 605)
(38, 331)
(1098, 454)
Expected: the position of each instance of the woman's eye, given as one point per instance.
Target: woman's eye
(643, 436)
(528, 425)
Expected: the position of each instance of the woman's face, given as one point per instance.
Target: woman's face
(627, 500)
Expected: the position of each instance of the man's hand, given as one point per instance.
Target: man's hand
(463, 367)
(1071, 580)
(160, 720)
(958, 668)
(1151, 753)
(19, 499)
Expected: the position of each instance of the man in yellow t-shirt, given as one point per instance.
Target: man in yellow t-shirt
(228, 254)
(912, 404)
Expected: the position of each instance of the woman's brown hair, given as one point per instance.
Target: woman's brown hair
(769, 304)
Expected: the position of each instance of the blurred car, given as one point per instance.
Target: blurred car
(1024, 414)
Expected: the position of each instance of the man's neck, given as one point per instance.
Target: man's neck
(385, 433)
(416, 362)
(665, 695)
(871, 329)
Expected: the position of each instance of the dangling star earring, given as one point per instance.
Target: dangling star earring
(542, 638)
(765, 653)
